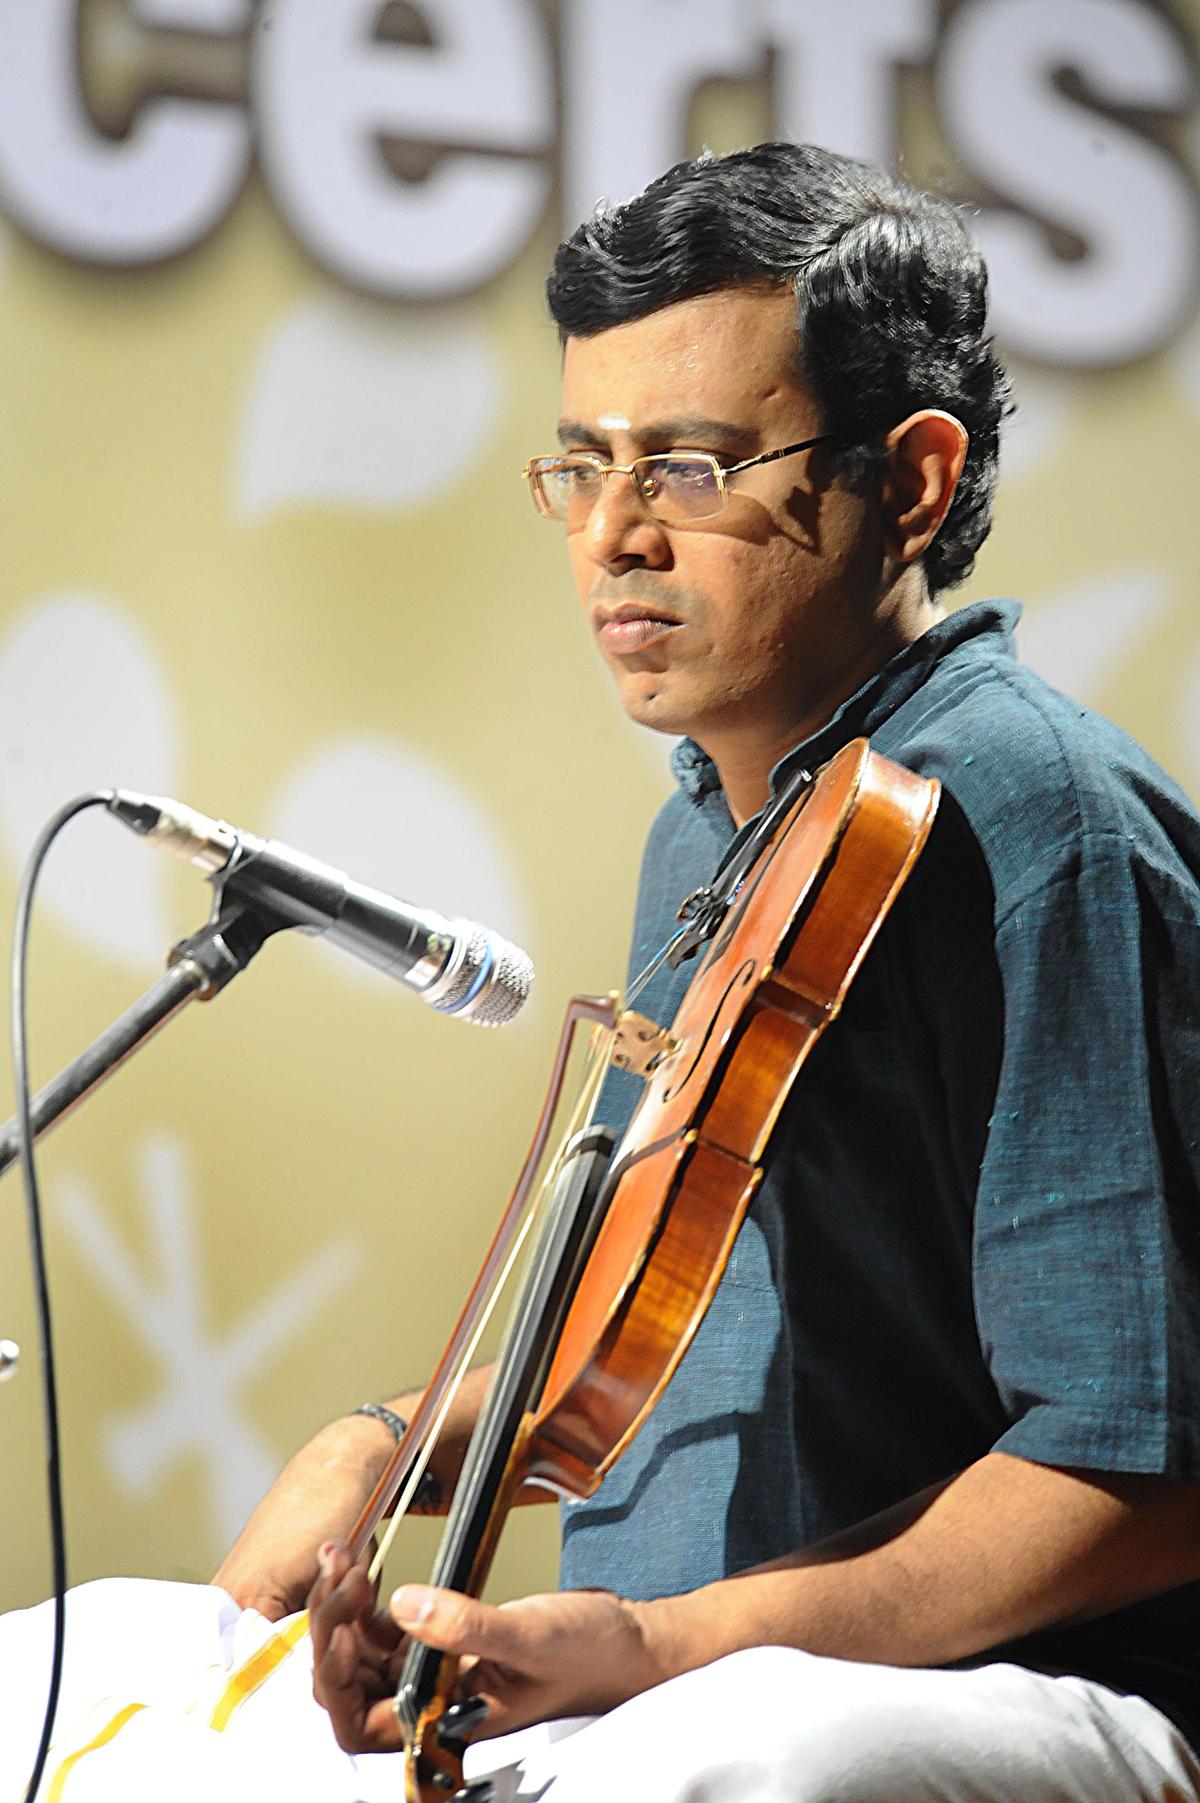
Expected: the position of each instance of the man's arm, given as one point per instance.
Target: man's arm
(1002, 1550)
(319, 1496)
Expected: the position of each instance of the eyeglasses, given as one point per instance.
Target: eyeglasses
(674, 486)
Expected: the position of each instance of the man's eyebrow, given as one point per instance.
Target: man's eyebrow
(664, 435)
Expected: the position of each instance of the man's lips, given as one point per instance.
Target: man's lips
(628, 629)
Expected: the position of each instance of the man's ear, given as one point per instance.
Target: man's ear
(926, 453)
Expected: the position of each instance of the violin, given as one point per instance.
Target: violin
(636, 1236)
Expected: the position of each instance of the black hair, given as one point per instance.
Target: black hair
(891, 299)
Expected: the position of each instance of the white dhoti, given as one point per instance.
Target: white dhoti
(778, 1726)
(170, 1690)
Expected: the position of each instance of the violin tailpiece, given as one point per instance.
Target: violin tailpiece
(640, 1045)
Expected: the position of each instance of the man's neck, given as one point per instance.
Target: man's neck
(745, 753)
(744, 764)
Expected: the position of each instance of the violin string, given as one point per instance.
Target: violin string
(600, 1059)
(656, 963)
(409, 1490)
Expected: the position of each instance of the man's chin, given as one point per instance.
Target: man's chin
(653, 701)
(658, 717)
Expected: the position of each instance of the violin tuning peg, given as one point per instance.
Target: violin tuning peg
(459, 1720)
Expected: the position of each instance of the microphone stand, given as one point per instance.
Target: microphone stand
(198, 968)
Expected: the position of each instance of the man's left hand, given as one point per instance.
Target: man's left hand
(577, 1652)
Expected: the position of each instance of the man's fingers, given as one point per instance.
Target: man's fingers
(350, 1657)
(339, 1664)
(454, 1623)
(362, 1721)
(382, 1636)
(342, 1591)
(333, 1562)
(380, 1731)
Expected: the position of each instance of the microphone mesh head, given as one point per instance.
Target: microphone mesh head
(507, 989)
(504, 991)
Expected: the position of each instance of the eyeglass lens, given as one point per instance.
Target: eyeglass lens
(680, 486)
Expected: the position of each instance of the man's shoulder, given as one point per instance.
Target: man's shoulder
(1005, 736)
(1042, 779)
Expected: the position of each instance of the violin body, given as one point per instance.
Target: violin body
(771, 979)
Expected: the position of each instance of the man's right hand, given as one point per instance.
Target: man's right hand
(320, 1493)
(318, 1496)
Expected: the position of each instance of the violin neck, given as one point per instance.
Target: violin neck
(493, 1469)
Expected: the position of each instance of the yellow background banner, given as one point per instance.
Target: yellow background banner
(272, 355)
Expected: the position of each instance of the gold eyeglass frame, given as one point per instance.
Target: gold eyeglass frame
(537, 466)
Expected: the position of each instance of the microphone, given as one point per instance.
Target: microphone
(457, 966)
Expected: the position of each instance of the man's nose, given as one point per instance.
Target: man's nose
(620, 530)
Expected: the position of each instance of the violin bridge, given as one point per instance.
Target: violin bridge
(640, 1045)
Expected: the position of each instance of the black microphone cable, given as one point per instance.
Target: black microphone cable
(501, 980)
(33, 1209)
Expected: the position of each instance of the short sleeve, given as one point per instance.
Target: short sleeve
(1087, 1234)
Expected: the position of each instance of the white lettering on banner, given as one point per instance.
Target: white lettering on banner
(326, 92)
(1074, 167)
(149, 196)
(630, 72)
(836, 83)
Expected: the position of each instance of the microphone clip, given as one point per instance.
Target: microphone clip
(235, 932)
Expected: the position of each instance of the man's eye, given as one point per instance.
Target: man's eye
(684, 474)
(573, 478)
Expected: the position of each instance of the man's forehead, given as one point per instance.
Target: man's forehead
(664, 432)
(714, 360)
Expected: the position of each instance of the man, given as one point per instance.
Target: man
(936, 1442)
(917, 1517)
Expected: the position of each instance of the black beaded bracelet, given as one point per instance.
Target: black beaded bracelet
(389, 1417)
(429, 1491)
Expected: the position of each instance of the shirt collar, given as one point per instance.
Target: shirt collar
(870, 705)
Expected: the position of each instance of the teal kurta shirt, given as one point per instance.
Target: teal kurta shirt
(980, 1224)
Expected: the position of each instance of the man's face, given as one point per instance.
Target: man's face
(748, 621)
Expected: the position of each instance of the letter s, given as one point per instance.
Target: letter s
(1122, 194)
